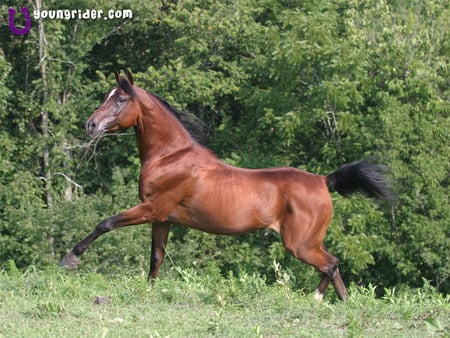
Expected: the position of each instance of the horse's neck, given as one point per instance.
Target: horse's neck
(159, 134)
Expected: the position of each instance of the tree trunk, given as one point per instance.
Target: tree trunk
(44, 114)
(45, 123)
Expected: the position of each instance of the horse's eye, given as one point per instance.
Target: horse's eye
(122, 98)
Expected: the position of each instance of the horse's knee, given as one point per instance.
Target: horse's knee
(157, 257)
(103, 226)
(106, 225)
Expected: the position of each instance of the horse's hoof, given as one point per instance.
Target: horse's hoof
(318, 295)
(70, 261)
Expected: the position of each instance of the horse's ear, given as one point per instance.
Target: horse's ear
(129, 76)
(126, 84)
(117, 75)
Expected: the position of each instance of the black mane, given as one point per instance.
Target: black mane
(193, 124)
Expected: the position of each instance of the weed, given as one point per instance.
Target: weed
(50, 309)
(435, 326)
(215, 326)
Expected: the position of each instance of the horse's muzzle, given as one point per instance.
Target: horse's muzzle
(91, 128)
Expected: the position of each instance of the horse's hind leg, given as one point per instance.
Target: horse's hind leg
(337, 281)
(310, 250)
(339, 286)
(328, 266)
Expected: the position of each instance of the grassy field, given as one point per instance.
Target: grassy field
(57, 303)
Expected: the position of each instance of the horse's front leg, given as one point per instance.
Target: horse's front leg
(142, 213)
(160, 233)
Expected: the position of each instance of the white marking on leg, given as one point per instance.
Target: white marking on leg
(318, 295)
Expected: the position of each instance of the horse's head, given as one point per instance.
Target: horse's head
(118, 111)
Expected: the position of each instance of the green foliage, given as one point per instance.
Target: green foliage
(308, 85)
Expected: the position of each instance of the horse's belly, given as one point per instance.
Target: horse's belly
(233, 201)
(214, 225)
(217, 217)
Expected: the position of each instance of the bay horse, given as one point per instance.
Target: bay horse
(184, 183)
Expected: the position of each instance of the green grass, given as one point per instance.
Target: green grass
(57, 303)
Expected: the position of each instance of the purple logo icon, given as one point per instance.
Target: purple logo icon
(12, 26)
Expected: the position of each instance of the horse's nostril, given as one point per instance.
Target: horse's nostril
(89, 126)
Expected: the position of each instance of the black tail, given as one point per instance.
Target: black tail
(361, 177)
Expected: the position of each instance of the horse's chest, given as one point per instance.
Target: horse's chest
(162, 184)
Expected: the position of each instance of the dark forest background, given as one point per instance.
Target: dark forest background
(308, 84)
